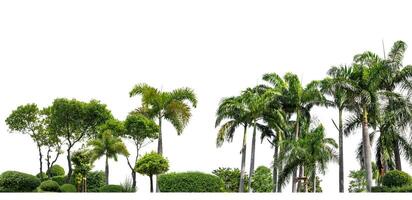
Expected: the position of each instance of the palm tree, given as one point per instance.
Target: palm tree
(109, 146)
(333, 87)
(233, 110)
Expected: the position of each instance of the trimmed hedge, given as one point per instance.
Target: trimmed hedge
(111, 188)
(68, 188)
(95, 180)
(59, 179)
(56, 170)
(13, 181)
(190, 182)
(396, 178)
(49, 186)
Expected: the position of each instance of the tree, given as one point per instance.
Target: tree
(262, 180)
(74, 121)
(83, 164)
(109, 146)
(152, 164)
(333, 86)
(139, 129)
(27, 119)
(231, 178)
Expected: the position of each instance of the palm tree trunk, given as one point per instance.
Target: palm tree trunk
(366, 149)
(296, 138)
(314, 180)
(275, 169)
(106, 172)
(252, 157)
(151, 183)
(398, 163)
(242, 168)
(159, 148)
(280, 165)
(41, 161)
(301, 180)
(341, 167)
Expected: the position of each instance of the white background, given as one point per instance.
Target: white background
(101, 49)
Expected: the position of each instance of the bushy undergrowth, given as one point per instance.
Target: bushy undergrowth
(13, 181)
(59, 179)
(190, 182)
(111, 188)
(396, 178)
(49, 186)
(68, 188)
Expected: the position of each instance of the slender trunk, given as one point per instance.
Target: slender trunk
(106, 170)
(294, 181)
(280, 165)
(341, 167)
(133, 173)
(151, 183)
(69, 165)
(301, 181)
(367, 149)
(296, 138)
(242, 168)
(397, 153)
(41, 161)
(314, 180)
(159, 148)
(252, 158)
(275, 169)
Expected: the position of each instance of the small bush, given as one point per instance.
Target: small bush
(13, 181)
(42, 176)
(95, 180)
(56, 170)
(407, 188)
(68, 188)
(190, 182)
(111, 188)
(396, 178)
(59, 179)
(380, 189)
(49, 186)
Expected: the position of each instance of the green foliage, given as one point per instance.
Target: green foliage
(127, 185)
(68, 188)
(318, 187)
(152, 164)
(190, 182)
(49, 186)
(358, 181)
(262, 180)
(138, 128)
(42, 176)
(56, 170)
(230, 178)
(13, 181)
(95, 180)
(111, 188)
(406, 188)
(83, 163)
(396, 178)
(59, 179)
(107, 145)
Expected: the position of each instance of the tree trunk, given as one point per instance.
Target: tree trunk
(301, 182)
(106, 170)
(367, 149)
(341, 167)
(296, 138)
(294, 181)
(242, 168)
(252, 157)
(69, 163)
(314, 180)
(159, 148)
(275, 169)
(396, 151)
(41, 161)
(151, 183)
(280, 165)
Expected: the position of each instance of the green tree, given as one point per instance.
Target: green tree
(27, 119)
(108, 146)
(142, 131)
(358, 181)
(231, 178)
(262, 180)
(83, 164)
(152, 164)
(74, 121)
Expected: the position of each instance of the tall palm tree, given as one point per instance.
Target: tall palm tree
(233, 111)
(333, 86)
(109, 146)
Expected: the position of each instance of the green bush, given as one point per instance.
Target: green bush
(111, 188)
(190, 182)
(68, 188)
(231, 178)
(95, 180)
(407, 188)
(59, 179)
(13, 181)
(396, 178)
(56, 170)
(49, 186)
(380, 189)
(42, 176)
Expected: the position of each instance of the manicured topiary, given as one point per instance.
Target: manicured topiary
(56, 170)
(59, 179)
(13, 181)
(95, 180)
(396, 178)
(190, 182)
(49, 186)
(42, 176)
(111, 188)
(68, 188)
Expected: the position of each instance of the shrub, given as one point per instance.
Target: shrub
(68, 188)
(111, 188)
(407, 188)
(396, 178)
(190, 182)
(49, 186)
(42, 176)
(262, 180)
(59, 179)
(13, 181)
(231, 178)
(380, 189)
(95, 180)
(56, 170)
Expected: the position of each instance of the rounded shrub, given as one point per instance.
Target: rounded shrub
(56, 170)
(111, 188)
(13, 181)
(396, 178)
(42, 176)
(95, 180)
(49, 186)
(59, 179)
(68, 188)
(190, 182)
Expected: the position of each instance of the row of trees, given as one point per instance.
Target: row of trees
(374, 91)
